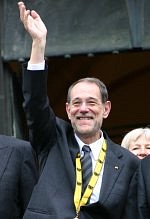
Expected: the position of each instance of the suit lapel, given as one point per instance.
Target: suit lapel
(69, 157)
(4, 157)
(112, 169)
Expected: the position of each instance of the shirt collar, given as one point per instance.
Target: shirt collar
(95, 146)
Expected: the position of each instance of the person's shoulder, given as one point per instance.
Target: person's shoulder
(144, 169)
(125, 152)
(63, 124)
(146, 161)
(121, 151)
(131, 161)
(129, 154)
(13, 142)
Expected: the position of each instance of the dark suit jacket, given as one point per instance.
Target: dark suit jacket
(18, 175)
(54, 141)
(144, 189)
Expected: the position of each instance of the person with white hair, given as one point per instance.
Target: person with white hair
(138, 142)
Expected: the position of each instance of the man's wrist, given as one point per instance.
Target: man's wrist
(37, 66)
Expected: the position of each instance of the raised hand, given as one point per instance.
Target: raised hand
(32, 22)
(37, 30)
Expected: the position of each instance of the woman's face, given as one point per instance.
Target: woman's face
(140, 147)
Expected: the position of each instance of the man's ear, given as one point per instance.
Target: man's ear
(68, 110)
(107, 108)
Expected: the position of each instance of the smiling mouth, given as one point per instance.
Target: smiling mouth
(84, 118)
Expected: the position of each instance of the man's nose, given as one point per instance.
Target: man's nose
(83, 107)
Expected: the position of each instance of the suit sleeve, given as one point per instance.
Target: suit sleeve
(40, 117)
(143, 192)
(130, 210)
(28, 176)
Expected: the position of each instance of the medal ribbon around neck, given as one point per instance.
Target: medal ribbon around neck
(81, 201)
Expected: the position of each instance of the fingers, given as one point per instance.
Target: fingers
(22, 10)
(34, 14)
(32, 22)
(25, 13)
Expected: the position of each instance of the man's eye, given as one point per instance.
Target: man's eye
(76, 103)
(91, 103)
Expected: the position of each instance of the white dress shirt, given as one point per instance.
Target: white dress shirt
(38, 66)
(95, 150)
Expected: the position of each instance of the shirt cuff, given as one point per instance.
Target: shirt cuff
(38, 66)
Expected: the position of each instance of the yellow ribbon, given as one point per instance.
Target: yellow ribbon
(81, 201)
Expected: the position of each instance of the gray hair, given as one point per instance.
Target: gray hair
(99, 83)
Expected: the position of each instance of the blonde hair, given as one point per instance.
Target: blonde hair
(134, 135)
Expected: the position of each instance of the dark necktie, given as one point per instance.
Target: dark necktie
(86, 163)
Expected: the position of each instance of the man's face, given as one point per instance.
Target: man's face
(86, 110)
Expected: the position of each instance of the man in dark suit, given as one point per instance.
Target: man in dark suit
(144, 189)
(18, 175)
(111, 190)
